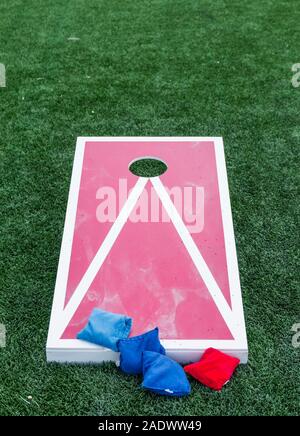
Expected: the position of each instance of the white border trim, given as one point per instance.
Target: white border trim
(74, 350)
(67, 241)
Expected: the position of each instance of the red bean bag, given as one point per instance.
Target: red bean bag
(214, 369)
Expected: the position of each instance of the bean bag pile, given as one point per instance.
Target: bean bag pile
(144, 354)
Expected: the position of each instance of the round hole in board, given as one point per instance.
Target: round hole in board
(148, 166)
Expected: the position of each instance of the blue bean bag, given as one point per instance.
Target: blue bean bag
(106, 329)
(131, 350)
(164, 376)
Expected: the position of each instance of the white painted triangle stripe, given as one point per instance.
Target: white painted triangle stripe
(100, 257)
(196, 256)
(110, 239)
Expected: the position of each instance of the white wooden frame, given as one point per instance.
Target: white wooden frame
(74, 350)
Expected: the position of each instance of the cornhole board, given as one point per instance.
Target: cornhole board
(158, 249)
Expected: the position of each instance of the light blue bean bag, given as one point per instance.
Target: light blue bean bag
(106, 329)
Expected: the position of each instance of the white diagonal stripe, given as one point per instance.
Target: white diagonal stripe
(100, 256)
(196, 256)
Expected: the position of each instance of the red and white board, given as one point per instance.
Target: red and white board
(158, 249)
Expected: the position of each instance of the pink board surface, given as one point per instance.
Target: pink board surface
(151, 271)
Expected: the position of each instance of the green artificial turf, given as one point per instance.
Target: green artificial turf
(148, 167)
(166, 67)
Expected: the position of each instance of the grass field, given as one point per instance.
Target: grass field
(180, 67)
